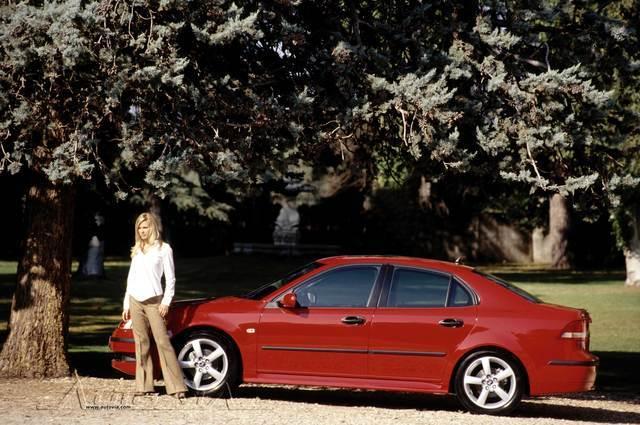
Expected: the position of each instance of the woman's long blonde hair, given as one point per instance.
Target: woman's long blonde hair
(154, 235)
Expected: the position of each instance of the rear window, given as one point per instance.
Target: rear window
(414, 288)
(417, 288)
(459, 296)
(511, 287)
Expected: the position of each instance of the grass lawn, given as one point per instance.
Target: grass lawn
(96, 304)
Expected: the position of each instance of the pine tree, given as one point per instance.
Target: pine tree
(162, 97)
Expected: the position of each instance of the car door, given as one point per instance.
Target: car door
(328, 333)
(422, 317)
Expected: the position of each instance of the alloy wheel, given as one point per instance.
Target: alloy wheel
(490, 382)
(204, 363)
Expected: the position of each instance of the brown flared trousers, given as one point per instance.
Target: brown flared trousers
(145, 316)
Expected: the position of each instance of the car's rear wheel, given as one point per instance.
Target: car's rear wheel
(489, 382)
(209, 363)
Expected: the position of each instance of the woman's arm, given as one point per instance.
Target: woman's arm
(169, 275)
(125, 302)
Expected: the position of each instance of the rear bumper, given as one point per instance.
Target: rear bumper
(566, 376)
(586, 363)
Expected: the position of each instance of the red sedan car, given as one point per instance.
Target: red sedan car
(384, 323)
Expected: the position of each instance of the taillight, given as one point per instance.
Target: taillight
(578, 330)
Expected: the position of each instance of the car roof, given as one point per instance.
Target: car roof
(397, 260)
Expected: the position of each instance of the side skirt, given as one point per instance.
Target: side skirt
(344, 382)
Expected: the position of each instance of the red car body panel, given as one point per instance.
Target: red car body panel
(403, 349)
(408, 344)
(323, 345)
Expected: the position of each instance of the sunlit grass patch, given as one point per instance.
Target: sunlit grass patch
(8, 267)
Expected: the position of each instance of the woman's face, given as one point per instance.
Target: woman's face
(144, 230)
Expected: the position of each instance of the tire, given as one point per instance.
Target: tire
(489, 382)
(209, 363)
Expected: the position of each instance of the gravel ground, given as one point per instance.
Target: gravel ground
(96, 401)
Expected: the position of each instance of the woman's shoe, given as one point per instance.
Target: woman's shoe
(141, 393)
(180, 395)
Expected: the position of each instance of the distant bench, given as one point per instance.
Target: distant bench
(284, 249)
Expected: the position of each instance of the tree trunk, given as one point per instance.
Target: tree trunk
(632, 252)
(424, 193)
(155, 207)
(36, 345)
(559, 223)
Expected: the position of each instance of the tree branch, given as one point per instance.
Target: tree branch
(531, 62)
(404, 123)
(533, 162)
(546, 57)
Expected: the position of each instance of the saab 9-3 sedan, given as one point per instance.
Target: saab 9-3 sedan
(382, 323)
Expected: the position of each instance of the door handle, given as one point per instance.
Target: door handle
(451, 323)
(353, 320)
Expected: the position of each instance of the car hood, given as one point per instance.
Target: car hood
(222, 304)
(211, 300)
(191, 301)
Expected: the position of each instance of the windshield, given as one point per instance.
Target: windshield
(265, 290)
(524, 294)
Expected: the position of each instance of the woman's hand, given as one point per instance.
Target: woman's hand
(164, 310)
(125, 315)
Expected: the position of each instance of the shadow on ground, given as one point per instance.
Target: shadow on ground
(529, 409)
(618, 372)
(618, 380)
(541, 409)
(94, 364)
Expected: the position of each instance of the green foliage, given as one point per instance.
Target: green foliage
(603, 37)
(539, 126)
(526, 92)
(141, 95)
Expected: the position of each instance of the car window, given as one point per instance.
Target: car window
(459, 296)
(344, 287)
(416, 288)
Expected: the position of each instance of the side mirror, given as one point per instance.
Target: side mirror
(289, 301)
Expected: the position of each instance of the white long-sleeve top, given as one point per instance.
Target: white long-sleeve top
(145, 275)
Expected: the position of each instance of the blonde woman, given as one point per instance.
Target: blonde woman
(147, 306)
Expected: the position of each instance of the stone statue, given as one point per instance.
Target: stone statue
(286, 226)
(94, 263)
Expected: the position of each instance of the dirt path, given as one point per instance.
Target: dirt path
(96, 401)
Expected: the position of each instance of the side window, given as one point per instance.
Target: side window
(459, 296)
(344, 287)
(415, 288)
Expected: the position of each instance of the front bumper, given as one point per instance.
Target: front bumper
(122, 345)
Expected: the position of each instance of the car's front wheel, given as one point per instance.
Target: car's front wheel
(489, 382)
(209, 363)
